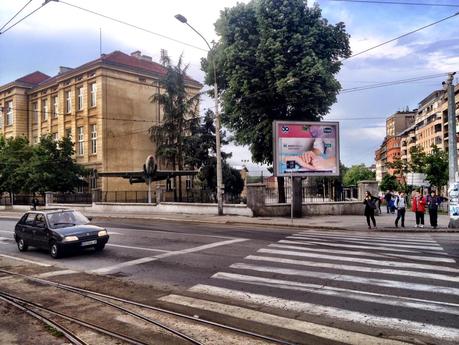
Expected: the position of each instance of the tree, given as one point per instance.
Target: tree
(357, 173)
(52, 168)
(276, 60)
(15, 155)
(400, 167)
(436, 169)
(389, 182)
(417, 163)
(180, 113)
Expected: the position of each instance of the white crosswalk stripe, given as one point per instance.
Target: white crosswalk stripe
(402, 288)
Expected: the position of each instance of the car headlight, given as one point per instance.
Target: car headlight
(102, 233)
(70, 239)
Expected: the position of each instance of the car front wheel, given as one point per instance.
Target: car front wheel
(55, 251)
(99, 247)
(22, 245)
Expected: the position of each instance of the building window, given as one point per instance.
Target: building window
(55, 106)
(54, 135)
(93, 139)
(35, 112)
(44, 109)
(93, 88)
(68, 102)
(1, 117)
(68, 133)
(80, 98)
(80, 141)
(35, 139)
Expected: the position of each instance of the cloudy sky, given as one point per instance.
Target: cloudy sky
(62, 35)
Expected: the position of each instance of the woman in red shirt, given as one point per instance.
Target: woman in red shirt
(418, 207)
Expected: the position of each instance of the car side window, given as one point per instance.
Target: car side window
(29, 219)
(40, 220)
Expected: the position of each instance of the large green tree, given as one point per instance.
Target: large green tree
(389, 182)
(357, 173)
(15, 155)
(436, 169)
(46, 166)
(180, 115)
(275, 60)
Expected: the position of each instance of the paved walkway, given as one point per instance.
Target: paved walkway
(384, 222)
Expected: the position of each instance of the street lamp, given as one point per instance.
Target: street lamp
(183, 20)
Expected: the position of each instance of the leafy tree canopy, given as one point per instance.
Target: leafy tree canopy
(15, 154)
(417, 163)
(275, 60)
(389, 182)
(436, 169)
(357, 173)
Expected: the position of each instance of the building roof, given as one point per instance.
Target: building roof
(34, 78)
(134, 62)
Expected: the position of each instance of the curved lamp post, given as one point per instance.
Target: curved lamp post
(183, 20)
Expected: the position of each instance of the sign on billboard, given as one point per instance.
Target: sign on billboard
(306, 148)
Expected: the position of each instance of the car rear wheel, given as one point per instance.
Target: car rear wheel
(55, 251)
(99, 247)
(22, 245)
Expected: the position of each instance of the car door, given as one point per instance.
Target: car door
(25, 228)
(41, 231)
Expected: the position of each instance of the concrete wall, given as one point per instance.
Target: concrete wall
(314, 209)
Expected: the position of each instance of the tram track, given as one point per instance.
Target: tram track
(113, 302)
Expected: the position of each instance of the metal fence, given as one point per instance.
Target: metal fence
(126, 196)
(21, 199)
(72, 198)
(311, 194)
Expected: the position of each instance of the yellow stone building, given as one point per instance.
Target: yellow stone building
(104, 106)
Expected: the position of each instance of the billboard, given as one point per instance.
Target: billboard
(306, 148)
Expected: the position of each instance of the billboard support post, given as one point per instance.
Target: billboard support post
(297, 197)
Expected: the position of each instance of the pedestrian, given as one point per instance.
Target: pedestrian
(400, 205)
(388, 198)
(370, 206)
(418, 207)
(433, 202)
(34, 203)
(380, 199)
(392, 204)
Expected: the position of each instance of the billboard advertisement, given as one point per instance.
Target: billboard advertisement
(306, 148)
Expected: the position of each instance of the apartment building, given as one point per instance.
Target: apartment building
(390, 149)
(104, 106)
(430, 127)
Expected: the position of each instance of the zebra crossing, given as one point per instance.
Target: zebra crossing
(352, 288)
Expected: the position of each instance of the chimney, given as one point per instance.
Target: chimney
(146, 58)
(63, 69)
(137, 54)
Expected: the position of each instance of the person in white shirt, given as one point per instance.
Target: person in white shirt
(400, 205)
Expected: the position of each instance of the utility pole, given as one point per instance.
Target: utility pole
(453, 189)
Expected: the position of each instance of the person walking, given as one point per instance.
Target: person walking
(388, 198)
(400, 205)
(418, 207)
(433, 202)
(370, 206)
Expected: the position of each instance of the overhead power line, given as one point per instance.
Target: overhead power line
(131, 25)
(24, 18)
(391, 83)
(401, 36)
(17, 13)
(398, 3)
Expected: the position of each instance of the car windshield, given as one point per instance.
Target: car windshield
(66, 218)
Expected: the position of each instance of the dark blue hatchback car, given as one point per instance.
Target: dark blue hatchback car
(58, 231)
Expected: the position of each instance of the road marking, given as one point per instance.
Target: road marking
(125, 230)
(378, 322)
(362, 245)
(370, 239)
(325, 332)
(107, 269)
(399, 237)
(55, 273)
(398, 301)
(361, 253)
(137, 248)
(385, 263)
(350, 278)
(25, 260)
(367, 269)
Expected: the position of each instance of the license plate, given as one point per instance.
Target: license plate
(88, 243)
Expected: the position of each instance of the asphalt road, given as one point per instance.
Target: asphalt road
(341, 287)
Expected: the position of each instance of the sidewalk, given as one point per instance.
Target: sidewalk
(384, 222)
